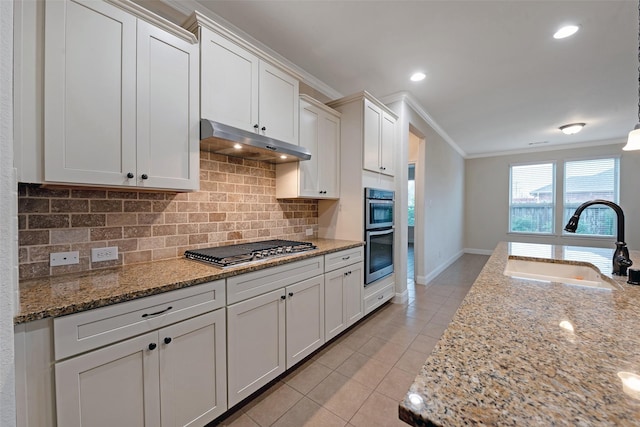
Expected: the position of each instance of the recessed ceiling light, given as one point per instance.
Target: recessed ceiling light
(282, 156)
(237, 146)
(571, 128)
(416, 77)
(566, 31)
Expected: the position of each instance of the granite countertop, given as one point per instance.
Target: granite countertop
(505, 359)
(71, 293)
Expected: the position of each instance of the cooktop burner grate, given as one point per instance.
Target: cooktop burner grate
(233, 255)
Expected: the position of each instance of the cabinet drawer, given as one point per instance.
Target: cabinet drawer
(378, 298)
(343, 258)
(262, 281)
(91, 329)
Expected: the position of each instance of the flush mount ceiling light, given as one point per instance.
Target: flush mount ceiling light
(571, 128)
(416, 77)
(633, 140)
(566, 31)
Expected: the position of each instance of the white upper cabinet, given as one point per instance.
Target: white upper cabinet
(120, 98)
(240, 88)
(379, 139)
(368, 122)
(319, 177)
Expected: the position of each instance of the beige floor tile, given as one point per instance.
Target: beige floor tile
(396, 384)
(239, 419)
(340, 395)
(307, 376)
(364, 369)
(411, 361)
(396, 334)
(433, 329)
(423, 344)
(307, 413)
(378, 411)
(334, 356)
(271, 405)
(356, 339)
(383, 351)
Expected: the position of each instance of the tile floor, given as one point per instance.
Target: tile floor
(359, 379)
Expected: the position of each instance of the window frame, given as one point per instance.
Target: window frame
(559, 183)
(616, 186)
(554, 198)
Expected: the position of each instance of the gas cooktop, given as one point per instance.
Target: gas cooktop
(234, 255)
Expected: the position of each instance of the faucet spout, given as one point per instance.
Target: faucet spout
(621, 260)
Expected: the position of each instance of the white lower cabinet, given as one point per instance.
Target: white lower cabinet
(270, 333)
(343, 293)
(255, 344)
(154, 361)
(171, 377)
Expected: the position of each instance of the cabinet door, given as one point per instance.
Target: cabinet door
(229, 82)
(167, 110)
(115, 386)
(335, 314)
(329, 157)
(193, 387)
(305, 319)
(278, 104)
(255, 343)
(89, 93)
(372, 133)
(387, 144)
(354, 293)
(310, 120)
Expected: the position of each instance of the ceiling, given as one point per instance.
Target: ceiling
(496, 81)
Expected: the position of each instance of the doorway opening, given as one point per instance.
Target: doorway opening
(411, 220)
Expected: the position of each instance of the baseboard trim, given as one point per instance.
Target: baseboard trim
(478, 251)
(401, 297)
(423, 280)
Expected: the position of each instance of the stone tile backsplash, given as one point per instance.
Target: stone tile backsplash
(236, 203)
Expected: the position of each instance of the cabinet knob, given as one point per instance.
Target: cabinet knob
(130, 175)
(264, 128)
(283, 297)
(255, 126)
(290, 294)
(167, 340)
(144, 176)
(152, 346)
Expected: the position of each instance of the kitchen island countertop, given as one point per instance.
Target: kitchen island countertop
(70, 293)
(505, 359)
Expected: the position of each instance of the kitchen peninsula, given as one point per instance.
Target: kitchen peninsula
(523, 352)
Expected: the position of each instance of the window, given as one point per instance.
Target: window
(411, 202)
(533, 195)
(532, 200)
(586, 180)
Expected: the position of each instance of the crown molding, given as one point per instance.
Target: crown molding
(538, 149)
(217, 23)
(408, 99)
(150, 17)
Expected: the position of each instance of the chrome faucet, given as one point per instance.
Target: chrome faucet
(621, 260)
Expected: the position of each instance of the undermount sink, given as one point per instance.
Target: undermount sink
(572, 274)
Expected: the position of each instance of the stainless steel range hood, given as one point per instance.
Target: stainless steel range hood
(223, 139)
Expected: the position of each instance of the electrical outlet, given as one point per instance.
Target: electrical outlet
(64, 258)
(104, 254)
(309, 231)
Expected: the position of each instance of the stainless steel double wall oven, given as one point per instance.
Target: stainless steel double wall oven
(378, 233)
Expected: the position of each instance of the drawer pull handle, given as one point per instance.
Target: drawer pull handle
(381, 296)
(344, 258)
(157, 312)
(152, 346)
(167, 340)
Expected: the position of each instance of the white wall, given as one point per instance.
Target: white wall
(487, 197)
(440, 191)
(8, 220)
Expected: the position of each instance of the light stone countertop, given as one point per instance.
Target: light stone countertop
(71, 293)
(505, 360)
